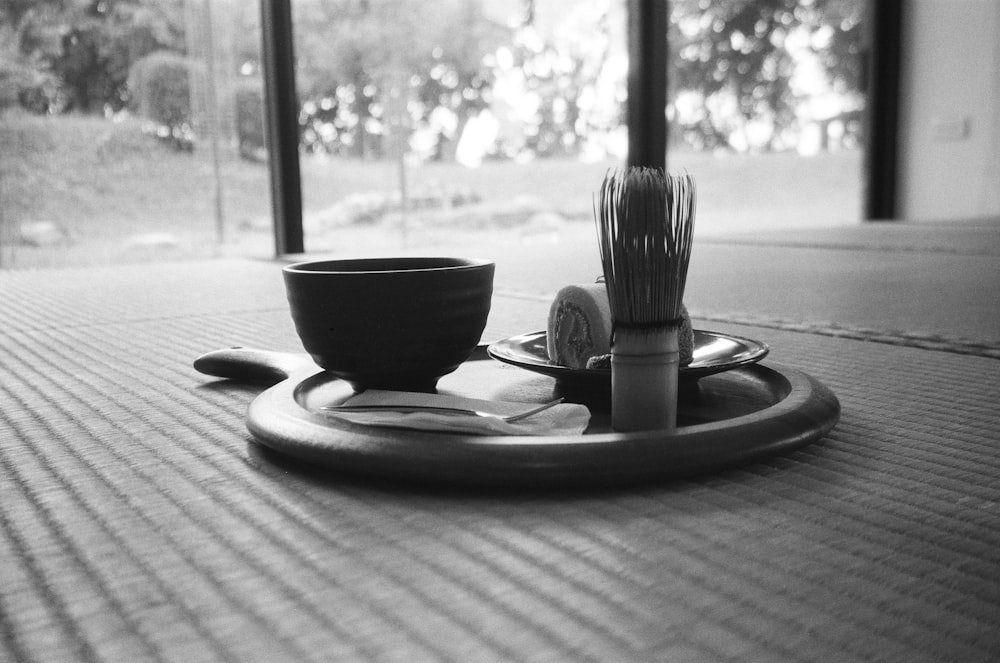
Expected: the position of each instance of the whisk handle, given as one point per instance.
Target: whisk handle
(644, 370)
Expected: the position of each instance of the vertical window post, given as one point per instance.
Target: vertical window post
(282, 125)
(647, 83)
(885, 20)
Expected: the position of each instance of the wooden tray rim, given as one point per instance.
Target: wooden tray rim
(806, 413)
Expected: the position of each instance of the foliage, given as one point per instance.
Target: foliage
(734, 81)
(736, 64)
(568, 85)
(161, 92)
(21, 85)
(377, 78)
(88, 46)
(366, 68)
(249, 101)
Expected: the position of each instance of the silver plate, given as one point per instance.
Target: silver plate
(714, 352)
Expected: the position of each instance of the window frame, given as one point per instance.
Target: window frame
(281, 135)
(883, 52)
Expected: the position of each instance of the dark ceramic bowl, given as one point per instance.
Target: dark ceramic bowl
(390, 323)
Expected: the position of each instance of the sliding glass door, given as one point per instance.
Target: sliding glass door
(477, 123)
(135, 130)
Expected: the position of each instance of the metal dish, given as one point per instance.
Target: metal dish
(714, 352)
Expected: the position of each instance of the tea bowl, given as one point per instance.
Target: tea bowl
(390, 323)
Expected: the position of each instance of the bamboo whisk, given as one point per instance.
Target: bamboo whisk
(645, 221)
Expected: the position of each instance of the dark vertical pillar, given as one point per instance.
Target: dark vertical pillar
(647, 83)
(884, 48)
(282, 125)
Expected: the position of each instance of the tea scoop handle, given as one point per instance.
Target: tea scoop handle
(252, 364)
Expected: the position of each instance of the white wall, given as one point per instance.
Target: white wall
(950, 116)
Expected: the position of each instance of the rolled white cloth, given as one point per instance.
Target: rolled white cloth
(579, 325)
(579, 331)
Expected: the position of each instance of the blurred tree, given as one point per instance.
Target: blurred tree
(366, 66)
(160, 85)
(248, 98)
(12, 11)
(22, 84)
(732, 63)
(842, 58)
(338, 49)
(453, 75)
(360, 60)
(570, 80)
(88, 46)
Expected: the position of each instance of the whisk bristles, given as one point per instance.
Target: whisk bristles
(645, 222)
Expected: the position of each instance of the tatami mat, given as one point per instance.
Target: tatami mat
(140, 522)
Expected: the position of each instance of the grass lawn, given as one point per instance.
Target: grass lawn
(121, 196)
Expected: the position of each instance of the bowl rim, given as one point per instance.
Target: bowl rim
(379, 265)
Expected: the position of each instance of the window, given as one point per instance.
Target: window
(133, 129)
(491, 123)
(130, 130)
(428, 126)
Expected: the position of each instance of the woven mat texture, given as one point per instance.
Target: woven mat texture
(140, 521)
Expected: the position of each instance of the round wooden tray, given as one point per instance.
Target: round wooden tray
(727, 419)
